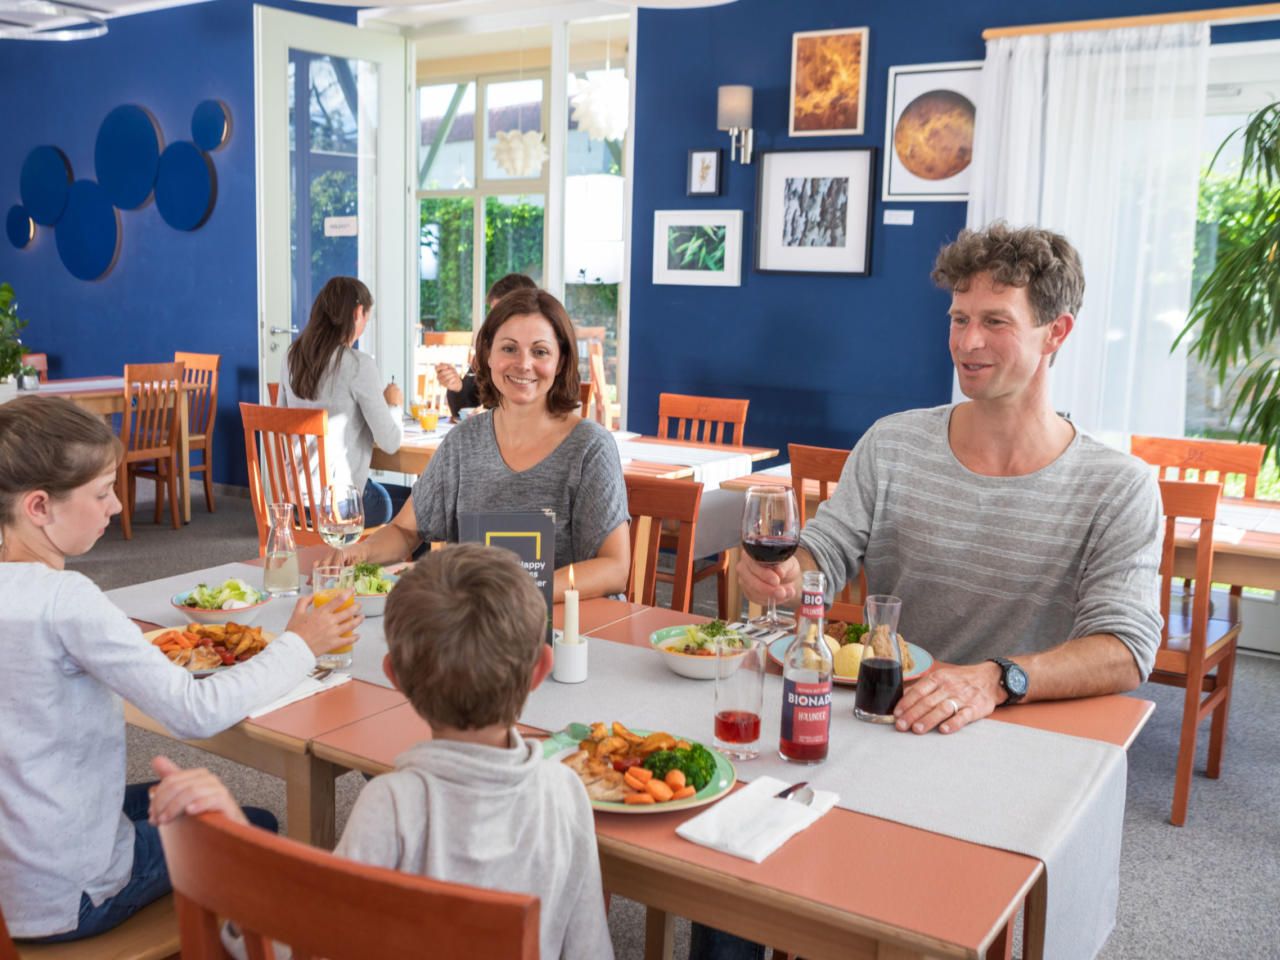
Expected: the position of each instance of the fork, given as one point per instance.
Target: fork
(320, 673)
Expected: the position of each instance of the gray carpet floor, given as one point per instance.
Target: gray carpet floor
(1209, 889)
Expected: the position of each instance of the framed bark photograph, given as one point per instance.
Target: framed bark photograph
(813, 211)
(700, 248)
(828, 82)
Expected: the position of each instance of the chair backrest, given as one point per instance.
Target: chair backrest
(820, 464)
(650, 501)
(39, 362)
(273, 392)
(200, 371)
(604, 411)
(447, 338)
(431, 393)
(284, 448)
(149, 424)
(1192, 459)
(586, 390)
(7, 950)
(274, 888)
(1189, 500)
(703, 419)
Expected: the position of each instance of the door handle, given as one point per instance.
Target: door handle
(288, 330)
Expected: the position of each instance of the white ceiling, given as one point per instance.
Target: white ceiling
(18, 16)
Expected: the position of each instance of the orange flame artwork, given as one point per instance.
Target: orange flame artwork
(828, 80)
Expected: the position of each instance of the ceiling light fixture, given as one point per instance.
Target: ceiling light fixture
(86, 23)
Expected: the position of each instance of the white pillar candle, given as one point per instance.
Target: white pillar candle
(570, 611)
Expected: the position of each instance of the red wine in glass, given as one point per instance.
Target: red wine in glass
(770, 549)
(737, 726)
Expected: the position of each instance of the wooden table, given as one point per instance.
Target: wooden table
(932, 895)
(108, 401)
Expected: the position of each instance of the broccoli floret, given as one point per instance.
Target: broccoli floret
(696, 763)
(853, 633)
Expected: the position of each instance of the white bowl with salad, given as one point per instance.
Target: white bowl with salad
(234, 600)
(690, 649)
(372, 584)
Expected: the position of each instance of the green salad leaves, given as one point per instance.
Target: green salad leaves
(232, 595)
(369, 578)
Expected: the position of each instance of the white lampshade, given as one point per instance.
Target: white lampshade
(733, 108)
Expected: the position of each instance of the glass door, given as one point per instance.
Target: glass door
(330, 176)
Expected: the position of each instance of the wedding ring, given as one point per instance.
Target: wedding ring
(955, 707)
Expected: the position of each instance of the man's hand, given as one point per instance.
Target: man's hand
(761, 583)
(447, 376)
(187, 793)
(347, 556)
(393, 395)
(949, 698)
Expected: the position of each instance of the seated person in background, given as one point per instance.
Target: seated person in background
(1006, 531)
(76, 854)
(476, 804)
(461, 392)
(529, 451)
(324, 370)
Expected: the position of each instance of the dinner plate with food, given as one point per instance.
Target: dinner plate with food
(204, 648)
(640, 771)
(690, 649)
(210, 604)
(844, 640)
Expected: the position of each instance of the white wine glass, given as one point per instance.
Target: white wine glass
(341, 515)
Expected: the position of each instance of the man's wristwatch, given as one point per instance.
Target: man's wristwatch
(1012, 678)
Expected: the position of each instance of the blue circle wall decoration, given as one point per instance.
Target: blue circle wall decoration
(126, 155)
(43, 183)
(211, 125)
(19, 226)
(186, 186)
(88, 234)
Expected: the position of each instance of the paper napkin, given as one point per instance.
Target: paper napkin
(307, 688)
(754, 822)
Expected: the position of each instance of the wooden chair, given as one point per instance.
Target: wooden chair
(40, 363)
(150, 934)
(290, 468)
(273, 392)
(200, 371)
(274, 888)
(606, 414)
(652, 502)
(586, 390)
(149, 435)
(432, 394)
(704, 420)
(1191, 459)
(823, 465)
(1192, 645)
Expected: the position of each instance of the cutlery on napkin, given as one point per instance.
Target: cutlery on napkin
(754, 822)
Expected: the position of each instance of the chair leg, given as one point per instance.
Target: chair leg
(1186, 752)
(171, 470)
(208, 481)
(159, 494)
(1218, 729)
(124, 493)
(722, 587)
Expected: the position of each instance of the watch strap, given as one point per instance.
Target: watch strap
(1005, 666)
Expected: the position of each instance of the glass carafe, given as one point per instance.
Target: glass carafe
(280, 575)
(880, 675)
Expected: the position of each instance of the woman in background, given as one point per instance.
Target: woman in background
(323, 370)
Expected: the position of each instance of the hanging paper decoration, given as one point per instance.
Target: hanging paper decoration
(520, 153)
(600, 105)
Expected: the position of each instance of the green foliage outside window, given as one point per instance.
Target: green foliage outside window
(10, 326)
(333, 194)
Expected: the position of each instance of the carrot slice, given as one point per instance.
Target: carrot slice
(641, 774)
(633, 782)
(635, 799)
(684, 793)
(659, 790)
(675, 779)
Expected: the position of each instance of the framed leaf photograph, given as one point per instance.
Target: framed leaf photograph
(828, 82)
(813, 211)
(697, 247)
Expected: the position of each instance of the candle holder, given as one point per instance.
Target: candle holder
(570, 663)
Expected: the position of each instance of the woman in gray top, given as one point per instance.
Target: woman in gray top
(531, 450)
(323, 370)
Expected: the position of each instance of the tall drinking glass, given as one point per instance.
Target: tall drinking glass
(739, 696)
(341, 519)
(771, 535)
(880, 675)
(326, 583)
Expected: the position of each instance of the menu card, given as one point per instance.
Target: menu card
(530, 535)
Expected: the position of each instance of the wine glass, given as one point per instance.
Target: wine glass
(771, 535)
(341, 515)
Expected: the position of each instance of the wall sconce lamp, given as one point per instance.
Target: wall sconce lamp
(733, 113)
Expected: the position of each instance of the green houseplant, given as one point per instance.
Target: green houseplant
(10, 326)
(1236, 314)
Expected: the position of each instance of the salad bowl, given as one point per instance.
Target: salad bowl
(690, 650)
(211, 605)
(372, 585)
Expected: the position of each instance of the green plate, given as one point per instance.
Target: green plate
(562, 744)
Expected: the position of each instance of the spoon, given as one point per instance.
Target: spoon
(804, 795)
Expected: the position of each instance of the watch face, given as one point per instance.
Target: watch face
(1015, 679)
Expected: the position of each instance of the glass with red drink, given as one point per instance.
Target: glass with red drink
(771, 536)
(739, 695)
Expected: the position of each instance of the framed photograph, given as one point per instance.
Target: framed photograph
(828, 82)
(704, 173)
(813, 211)
(700, 248)
(928, 133)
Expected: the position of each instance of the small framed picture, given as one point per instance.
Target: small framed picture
(700, 248)
(704, 173)
(828, 82)
(813, 211)
(928, 133)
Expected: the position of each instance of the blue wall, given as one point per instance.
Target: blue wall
(169, 290)
(820, 358)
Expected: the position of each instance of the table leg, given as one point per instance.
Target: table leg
(184, 456)
(658, 934)
(734, 598)
(1033, 919)
(310, 797)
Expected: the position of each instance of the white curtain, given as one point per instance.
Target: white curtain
(1097, 135)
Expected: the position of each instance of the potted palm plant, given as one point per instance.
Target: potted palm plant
(1235, 316)
(11, 365)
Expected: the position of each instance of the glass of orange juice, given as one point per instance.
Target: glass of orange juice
(428, 418)
(326, 583)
